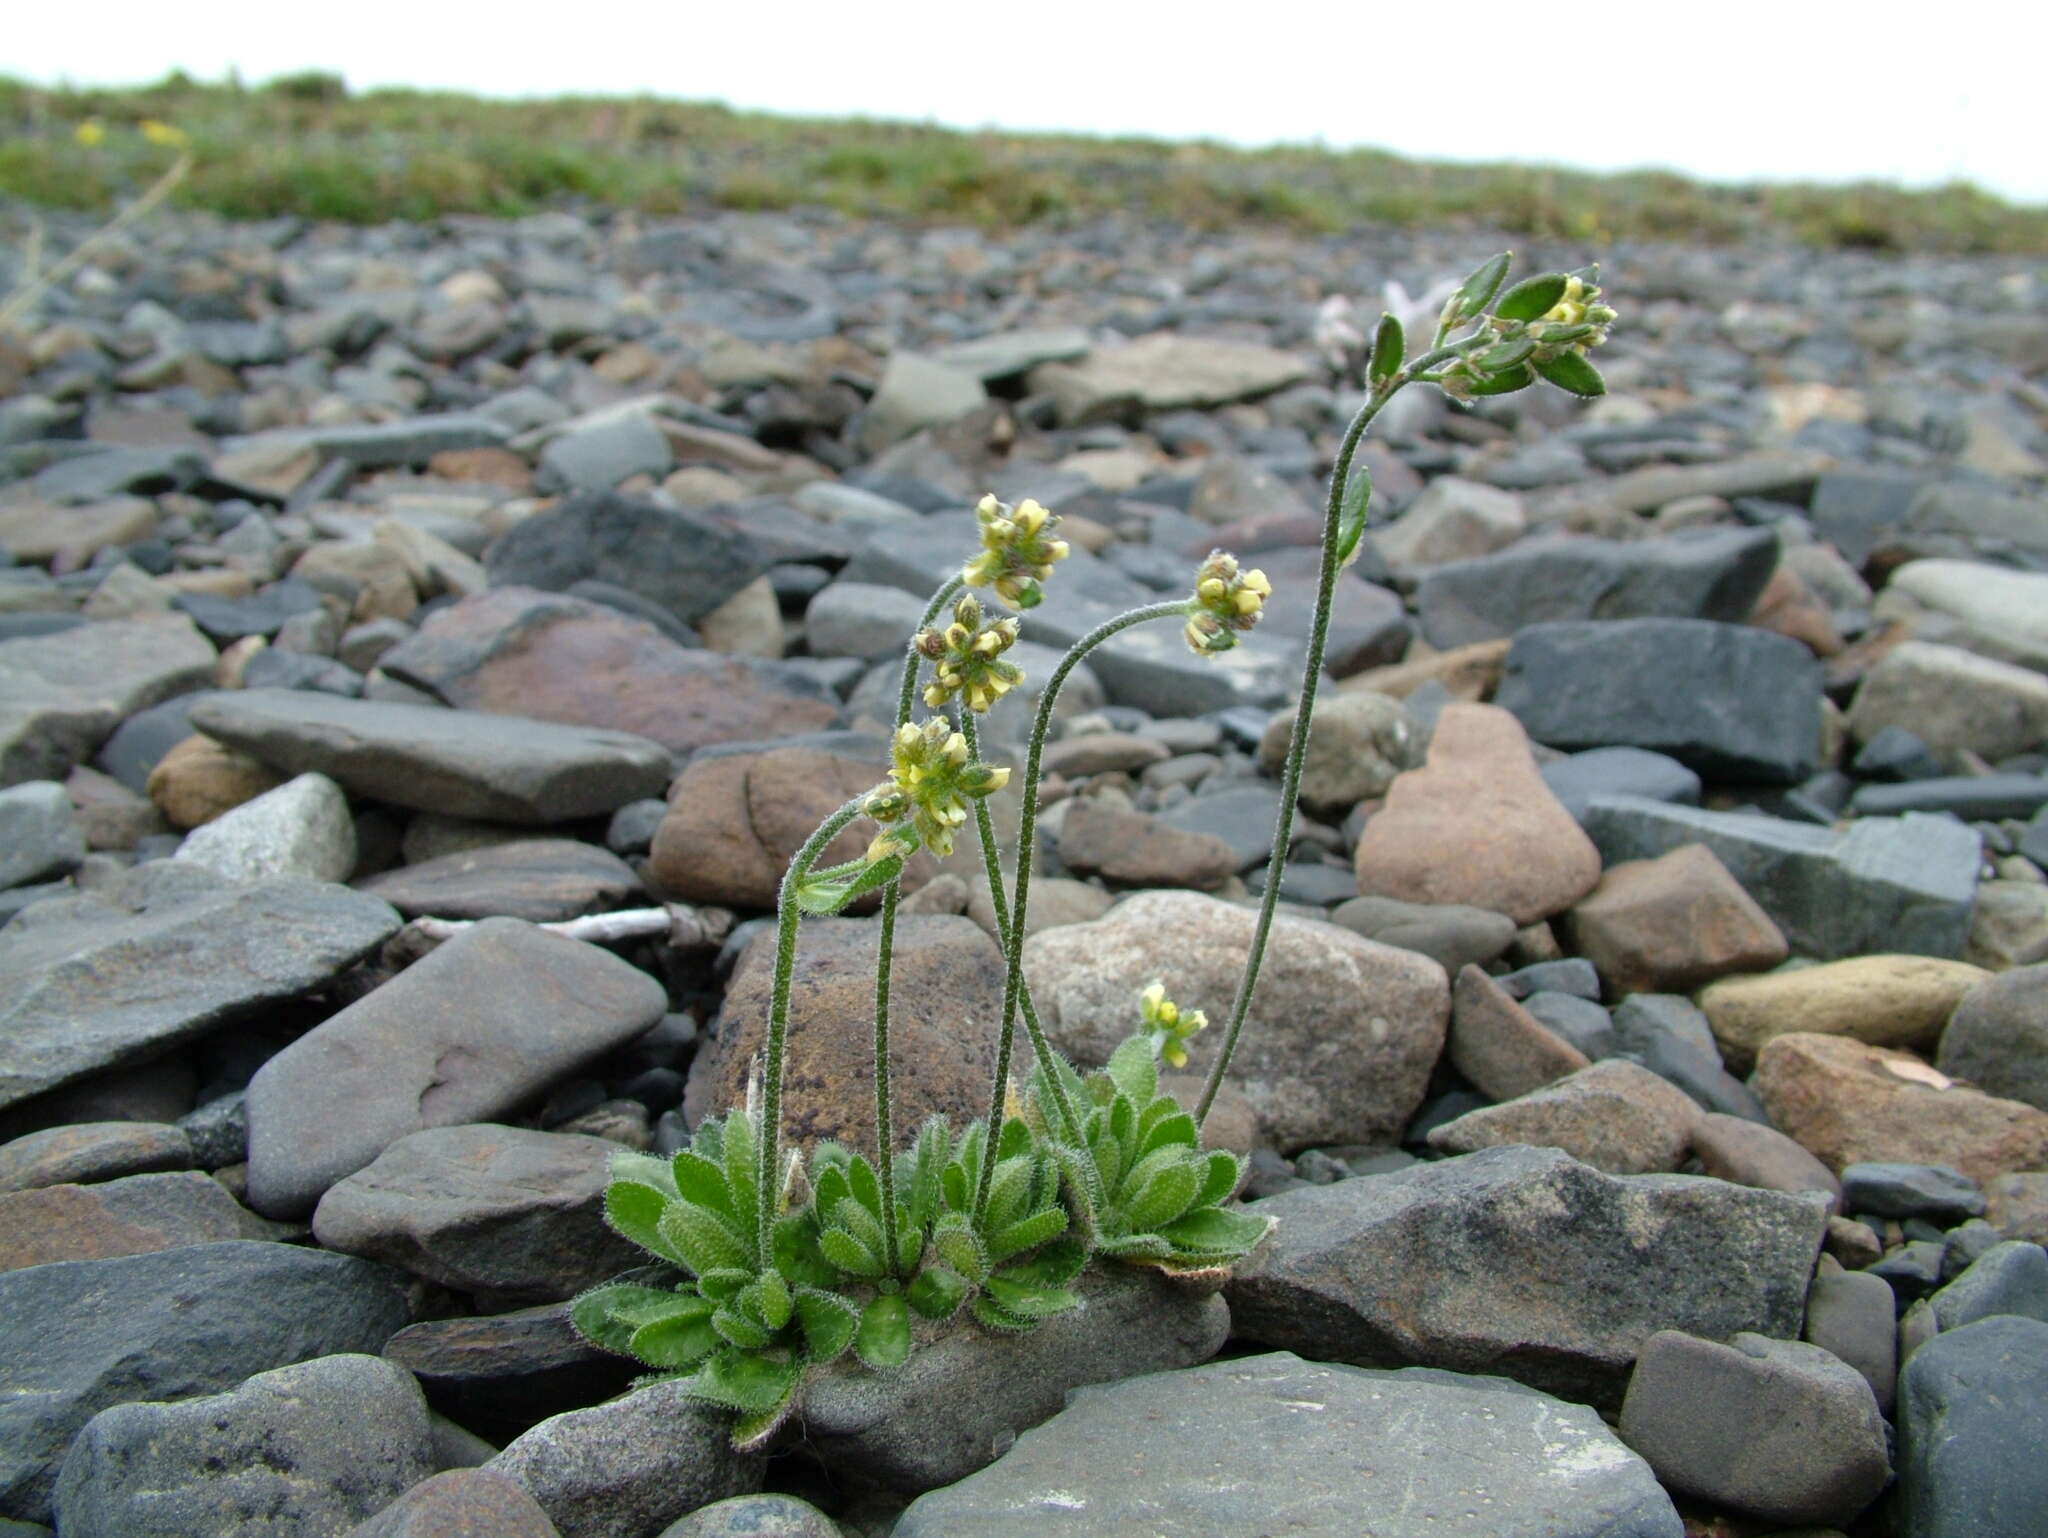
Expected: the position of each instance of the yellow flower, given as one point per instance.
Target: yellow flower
(1226, 600)
(967, 658)
(91, 133)
(164, 135)
(1017, 551)
(1168, 1027)
(930, 783)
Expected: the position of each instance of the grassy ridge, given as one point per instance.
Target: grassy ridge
(304, 146)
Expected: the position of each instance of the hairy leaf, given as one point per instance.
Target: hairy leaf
(1028, 1301)
(1218, 1231)
(635, 1210)
(1506, 383)
(742, 1175)
(884, 1336)
(1026, 1232)
(937, 1292)
(642, 1169)
(1137, 1247)
(1176, 1130)
(1570, 371)
(1531, 298)
(1477, 291)
(959, 1247)
(750, 1382)
(680, 1339)
(1389, 351)
(607, 1316)
(725, 1283)
(769, 1300)
(1134, 1070)
(797, 1257)
(748, 1334)
(827, 1321)
(702, 1239)
(697, 1179)
(1162, 1198)
(994, 1316)
(866, 1186)
(849, 1254)
(1351, 514)
(1053, 1266)
(1219, 1178)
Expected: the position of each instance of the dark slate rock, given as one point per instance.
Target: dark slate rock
(1973, 1418)
(1912, 1271)
(1581, 1022)
(1858, 510)
(141, 741)
(62, 695)
(1973, 798)
(218, 1131)
(129, 1216)
(1573, 974)
(631, 830)
(2009, 1278)
(261, 613)
(487, 1020)
(1338, 1451)
(1851, 1313)
(500, 768)
(275, 668)
(1729, 701)
(1933, 1191)
(110, 472)
(39, 833)
(91, 1151)
(1415, 1267)
(83, 1335)
(1885, 884)
(686, 563)
(513, 1369)
(380, 445)
(159, 957)
(461, 1503)
(1622, 771)
(1669, 1035)
(1894, 754)
(596, 456)
(1998, 1036)
(1451, 934)
(1714, 574)
(537, 879)
(1243, 816)
(296, 1452)
(755, 1516)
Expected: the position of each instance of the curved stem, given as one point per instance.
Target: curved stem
(1297, 743)
(786, 917)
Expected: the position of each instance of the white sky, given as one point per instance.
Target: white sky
(1728, 90)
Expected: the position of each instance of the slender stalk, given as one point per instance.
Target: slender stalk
(1297, 743)
(786, 917)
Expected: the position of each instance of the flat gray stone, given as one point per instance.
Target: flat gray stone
(486, 1020)
(1973, 1418)
(596, 456)
(1885, 884)
(2008, 1278)
(61, 696)
(379, 445)
(1272, 1444)
(297, 1452)
(1002, 354)
(1448, 1265)
(88, 1151)
(461, 1503)
(1998, 1037)
(500, 768)
(302, 828)
(540, 880)
(915, 393)
(160, 957)
(1622, 771)
(40, 837)
(84, 1335)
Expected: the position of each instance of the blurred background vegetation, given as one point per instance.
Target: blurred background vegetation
(304, 145)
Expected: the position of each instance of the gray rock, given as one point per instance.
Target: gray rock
(1360, 741)
(110, 470)
(1452, 520)
(465, 763)
(1670, 1035)
(755, 1516)
(1450, 934)
(302, 828)
(159, 957)
(89, 1151)
(1162, 371)
(62, 695)
(1989, 609)
(1243, 816)
(1624, 771)
(537, 879)
(1953, 700)
(2008, 1278)
(1885, 884)
(1338, 1451)
(1973, 1418)
(505, 1372)
(461, 1503)
(1003, 354)
(1441, 1265)
(1134, 849)
(1778, 1430)
(1729, 701)
(915, 393)
(218, 1131)
(1974, 798)
(596, 456)
(411, 440)
(1998, 1036)
(298, 1452)
(964, 1395)
(1851, 1313)
(630, 1466)
(861, 619)
(1617, 1116)
(491, 1017)
(1943, 1196)
(1753, 1153)
(262, 613)
(1584, 1024)
(81, 1336)
(1712, 574)
(501, 1211)
(132, 1215)
(141, 741)
(39, 833)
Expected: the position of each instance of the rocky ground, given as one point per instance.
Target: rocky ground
(1650, 1072)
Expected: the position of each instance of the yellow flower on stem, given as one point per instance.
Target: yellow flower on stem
(1226, 601)
(1017, 551)
(967, 658)
(930, 783)
(1167, 1026)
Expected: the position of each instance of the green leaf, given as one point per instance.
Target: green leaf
(849, 1254)
(884, 1336)
(831, 889)
(1219, 1179)
(1123, 1129)
(1027, 1232)
(1009, 1193)
(769, 1301)
(955, 1184)
(742, 1175)
(960, 1247)
(709, 1140)
(1134, 1069)
(1053, 1266)
(1477, 291)
(739, 1330)
(853, 1215)
(827, 1321)
(1504, 355)
(1571, 371)
(1532, 297)
(1351, 514)
(1175, 1130)
(1030, 1302)
(635, 1211)
(1505, 384)
(704, 1240)
(724, 1283)
(1389, 351)
(867, 1188)
(830, 1187)
(937, 1292)
(642, 1169)
(927, 1164)
(797, 1257)
(746, 1381)
(607, 1316)
(1137, 1247)
(1163, 1198)
(699, 1180)
(994, 1316)
(1082, 1183)
(1015, 1138)
(1218, 1231)
(680, 1340)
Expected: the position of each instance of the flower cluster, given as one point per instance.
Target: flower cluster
(967, 658)
(1541, 329)
(1017, 551)
(1167, 1026)
(930, 783)
(1226, 601)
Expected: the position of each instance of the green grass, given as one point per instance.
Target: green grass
(305, 146)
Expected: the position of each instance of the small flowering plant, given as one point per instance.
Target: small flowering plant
(789, 1262)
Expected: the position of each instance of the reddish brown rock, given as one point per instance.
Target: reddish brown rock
(1847, 1103)
(1751, 1154)
(540, 880)
(1503, 1049)
(1790, 607)
(1477, 825)
(1616, 1116)
(1672, 924)
(1134, 849)
(130, 1216)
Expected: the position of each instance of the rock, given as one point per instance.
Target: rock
(1450, 934)
(302, 828)
(1504, 1051)
(1901, 884)
(1101, 753)
(301, 1450)
(1464, 672)
(1777, 1430)
(1941, 1195)
(1134, 849)
(1342, 1032)
(596, 455)
(1711, 574)
(1476, 825)
(228, 618)
(1412, 1267)
(487, 1020)
(62, 695)
(515, 1215)
(132, 1215)
(1884, 1001)
(1973, 1413)
(1782, 473)
(1850, 1314)
(1997, 1038)
(945, 1013)
(1991, 610)
(861, 619)
(1055, 900)
(683, 562)
(1163, 372)
(90, 1151)
(1670, 924)
(1974, 798)
(1359, 743)
(40, 837)
(1399, 1454)
(2008, 925)
(199, 780)
(1954, 701)
(1453, 520)
(1752, 1154)
(1583, 1023)
(506, 1372)
(748, 624)
(1576, 779)
(1849, 1103)
(1618, 1117)
(1243, 816)
(964, 1395)
(373, 581)
(84, 1335)
(2017, 1205)
(1730, 701)
(108, 813)
(461, 1503)
(1005, 354)
(36, 532)
(630, 1466)
(2009, 1278)
(755, 1516)
(915, 393)
(537, 879)
(464, 763)
(159, 957)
